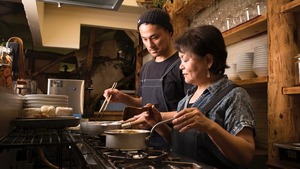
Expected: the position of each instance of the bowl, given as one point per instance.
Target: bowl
(95, 128)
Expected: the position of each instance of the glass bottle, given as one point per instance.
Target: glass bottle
(297, 70)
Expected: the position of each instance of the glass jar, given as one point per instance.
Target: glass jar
(297, 70)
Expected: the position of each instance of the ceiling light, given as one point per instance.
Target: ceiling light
(102, 4)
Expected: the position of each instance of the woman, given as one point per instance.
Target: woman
(224, 136)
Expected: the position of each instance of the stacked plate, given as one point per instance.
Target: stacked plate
(260, 61)
(244, 66)
(39, 100)
(231, 72)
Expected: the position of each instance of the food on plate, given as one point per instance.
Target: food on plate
(48, 110)
(63, 111)
(35, 113)
(43, 112)
(31, 112)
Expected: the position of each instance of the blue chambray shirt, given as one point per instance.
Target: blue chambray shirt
(233, 112)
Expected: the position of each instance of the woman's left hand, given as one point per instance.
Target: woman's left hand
(191, 118)
(146, 119)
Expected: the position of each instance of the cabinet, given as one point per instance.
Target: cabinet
(283, 121)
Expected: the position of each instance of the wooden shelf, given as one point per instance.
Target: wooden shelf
(279, 165)
(291, 90)
(254, 82)
(246, 30)
(189, 9)
(293, 6)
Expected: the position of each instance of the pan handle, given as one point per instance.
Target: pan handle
(147, 139)
(161, 122)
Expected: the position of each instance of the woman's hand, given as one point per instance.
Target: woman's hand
(191, 118)
(146, 119)
(238, 148)
(153, 116)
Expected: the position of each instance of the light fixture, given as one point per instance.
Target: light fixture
(58, 5)
(102, 4)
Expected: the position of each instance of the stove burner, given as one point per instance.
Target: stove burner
(142, 155)
(121, 159)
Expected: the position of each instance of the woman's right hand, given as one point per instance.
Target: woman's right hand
(152, 117)
(146, 119)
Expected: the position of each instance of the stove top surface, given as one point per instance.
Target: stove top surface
(90, 153)
(141, 159)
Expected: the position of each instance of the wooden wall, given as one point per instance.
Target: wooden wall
(283, 110)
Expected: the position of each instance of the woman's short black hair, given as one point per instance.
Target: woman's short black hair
(203, 40)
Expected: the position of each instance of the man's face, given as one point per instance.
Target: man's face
(156, 39)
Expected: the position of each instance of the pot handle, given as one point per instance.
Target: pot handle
(147, 139)
(161, 122)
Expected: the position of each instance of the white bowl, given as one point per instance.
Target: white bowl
(261, 71)
(246, 75)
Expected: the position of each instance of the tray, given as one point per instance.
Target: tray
(52, 122)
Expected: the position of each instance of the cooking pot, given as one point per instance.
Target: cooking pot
(94, 128)
(126, 139)
(130, 139)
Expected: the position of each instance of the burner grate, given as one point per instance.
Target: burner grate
(42, 137)
(140, 159)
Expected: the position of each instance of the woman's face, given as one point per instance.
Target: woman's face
(156, 39)
(194, 68)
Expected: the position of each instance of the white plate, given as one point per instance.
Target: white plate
(43, 96)
(44, 102)
(40, 105)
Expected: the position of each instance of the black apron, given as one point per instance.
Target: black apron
(152, 92)
(152, 89)
(198, 141)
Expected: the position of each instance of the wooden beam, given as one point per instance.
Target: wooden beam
(48, 66)
(87, 66)
(139, 63)
(90, 52)
(283, 110)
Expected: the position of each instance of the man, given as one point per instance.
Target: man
(161, 81)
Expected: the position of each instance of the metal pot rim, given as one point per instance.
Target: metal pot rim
(126, 131)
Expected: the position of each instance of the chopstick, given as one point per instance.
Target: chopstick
(106, 101)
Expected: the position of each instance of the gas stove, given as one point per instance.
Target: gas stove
(61, 148)
(98, 156)
(40, 148)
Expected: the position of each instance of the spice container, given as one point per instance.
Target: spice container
(297, 69)
(5, 68)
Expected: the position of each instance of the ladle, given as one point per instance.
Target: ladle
(147, 139)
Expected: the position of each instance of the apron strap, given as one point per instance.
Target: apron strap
(170, 68)
(217, 98)
(145, 72)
